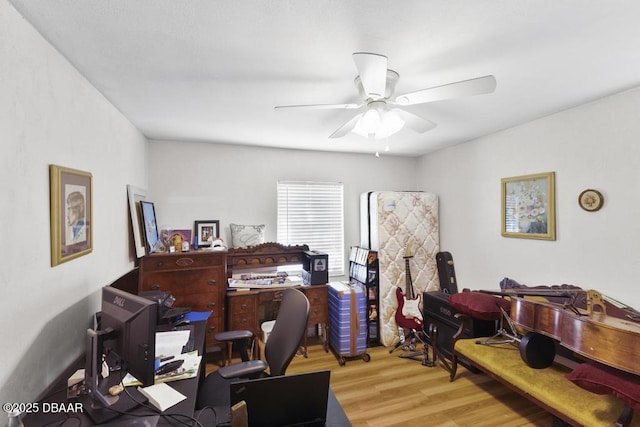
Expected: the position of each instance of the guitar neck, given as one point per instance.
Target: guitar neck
(409, 284)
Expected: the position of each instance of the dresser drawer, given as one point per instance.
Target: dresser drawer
(180, 262)
(185, 282)
(201, 302)
(214, 325)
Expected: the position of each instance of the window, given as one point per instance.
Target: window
(312, 213)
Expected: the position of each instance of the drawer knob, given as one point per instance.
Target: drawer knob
(211, 305)
(211, 282)
(159, 264)
(243, 306)
(155, 287)
(211, 329)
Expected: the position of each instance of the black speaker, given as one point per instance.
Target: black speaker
(446, 273)
(315, 268)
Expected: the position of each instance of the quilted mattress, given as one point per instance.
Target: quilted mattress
(390, 220)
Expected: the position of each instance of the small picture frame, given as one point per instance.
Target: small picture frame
(71, 198)
(150, 226)
(528, 206)
(176, 239)
(206, 232)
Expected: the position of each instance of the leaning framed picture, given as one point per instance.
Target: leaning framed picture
(206, 232)
(528, 206)
(150, 226)
(134, 195)
(71, 198)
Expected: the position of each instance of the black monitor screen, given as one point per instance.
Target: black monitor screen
(130, 323)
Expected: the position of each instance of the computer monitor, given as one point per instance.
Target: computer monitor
(131, 323)
(125, 341)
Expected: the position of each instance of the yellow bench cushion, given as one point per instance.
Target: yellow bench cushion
(547, 386)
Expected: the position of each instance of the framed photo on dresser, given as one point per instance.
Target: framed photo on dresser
(206, 232)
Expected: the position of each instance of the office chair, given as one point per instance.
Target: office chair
(281, 347)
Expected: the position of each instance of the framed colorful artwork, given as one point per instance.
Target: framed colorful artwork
(528, 206)
(150, 227)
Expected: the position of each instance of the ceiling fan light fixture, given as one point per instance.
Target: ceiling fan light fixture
(378, 122)
(390, 124)
(370, 122)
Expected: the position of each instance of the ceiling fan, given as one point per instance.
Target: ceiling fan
(383, 115)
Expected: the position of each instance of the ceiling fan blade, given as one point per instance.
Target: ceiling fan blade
(347, 127)
(416, 123)
(477, 86)
(372, 69)
(320, 107)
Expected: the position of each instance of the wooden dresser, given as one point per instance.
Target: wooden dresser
(197, 279)
(249, 309)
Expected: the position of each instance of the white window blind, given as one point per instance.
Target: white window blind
(312, 213)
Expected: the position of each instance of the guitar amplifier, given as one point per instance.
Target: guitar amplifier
(437, 311)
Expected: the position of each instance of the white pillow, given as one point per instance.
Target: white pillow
(243, 236)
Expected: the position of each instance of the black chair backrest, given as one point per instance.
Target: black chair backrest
(284, 339)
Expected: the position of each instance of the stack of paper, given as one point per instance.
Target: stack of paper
(265, 282)
(162, 396)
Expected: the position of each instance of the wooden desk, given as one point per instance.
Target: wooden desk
(249, 309)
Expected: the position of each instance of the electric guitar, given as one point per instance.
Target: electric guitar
(408, 303)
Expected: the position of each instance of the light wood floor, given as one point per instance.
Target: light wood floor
(390, 391)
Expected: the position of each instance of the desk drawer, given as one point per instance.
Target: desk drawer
(318, 301)
(243, 312)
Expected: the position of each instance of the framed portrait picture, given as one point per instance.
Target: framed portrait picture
(151, 235)
(71, 198)
(528, 206)
(206, 232)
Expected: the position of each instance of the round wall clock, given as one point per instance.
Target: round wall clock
(590, 200)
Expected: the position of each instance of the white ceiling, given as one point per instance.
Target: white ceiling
(212, 70)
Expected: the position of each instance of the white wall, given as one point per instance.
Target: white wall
(195, 181)
(592, 146)
(49, 114)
